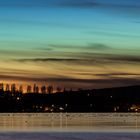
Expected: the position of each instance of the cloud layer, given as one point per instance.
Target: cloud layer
(71, 43)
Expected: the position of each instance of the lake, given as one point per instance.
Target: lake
(69, 126)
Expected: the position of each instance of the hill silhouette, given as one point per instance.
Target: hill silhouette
(120, 99)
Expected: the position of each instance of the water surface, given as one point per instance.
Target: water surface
(69, 126)
(69, 136)
(89, 122)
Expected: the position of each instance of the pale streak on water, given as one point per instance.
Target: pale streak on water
(70, 126)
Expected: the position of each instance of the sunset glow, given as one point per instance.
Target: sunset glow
(70, 43)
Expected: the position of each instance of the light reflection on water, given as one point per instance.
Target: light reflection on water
(70, 122)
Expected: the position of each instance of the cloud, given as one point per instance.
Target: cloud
(137, 22)
(95, 3)
(122, 8)
(98, 47)
(126, 58)
(95, 59)
(96, 52)
(89, 46)
(79, 4)
(70, 3)
(67, 82)
(119, 74)
(89, 54)
(47, 60)
(46, 49)
(115, 74)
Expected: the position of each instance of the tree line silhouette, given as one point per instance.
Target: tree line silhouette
(30, 89)
(120, 99)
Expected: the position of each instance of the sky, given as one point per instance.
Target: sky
(70, 43)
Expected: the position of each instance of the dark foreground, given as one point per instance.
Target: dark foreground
(69, 136)
(121, 99)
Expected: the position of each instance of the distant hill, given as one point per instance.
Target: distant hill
(119, 99)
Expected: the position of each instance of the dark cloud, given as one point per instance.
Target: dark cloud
(105, 57)
(66, 81)
(89, 54)
(115, 74)
(92, 58)
(120, 8)
(48, 60)
(98, 47)
(126, 58)
(45, 49)
(95, 3)
(118, 74)
(79, 4)
(114, 59)
(99, 81)
(137, 22)
(62, 79)
(69, 3)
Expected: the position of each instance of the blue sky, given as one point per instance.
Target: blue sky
(71, 22)
(89, 42)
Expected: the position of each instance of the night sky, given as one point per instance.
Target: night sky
(70, 43)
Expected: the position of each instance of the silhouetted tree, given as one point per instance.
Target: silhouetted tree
(80, 89)
(7, 87)
(58, 89)
(50, 89)
(1, 87)
(29, 89)
(64, 90)
(43, 89)
(21, 89)
(35, 89)
(13, 88)
(71, 90)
